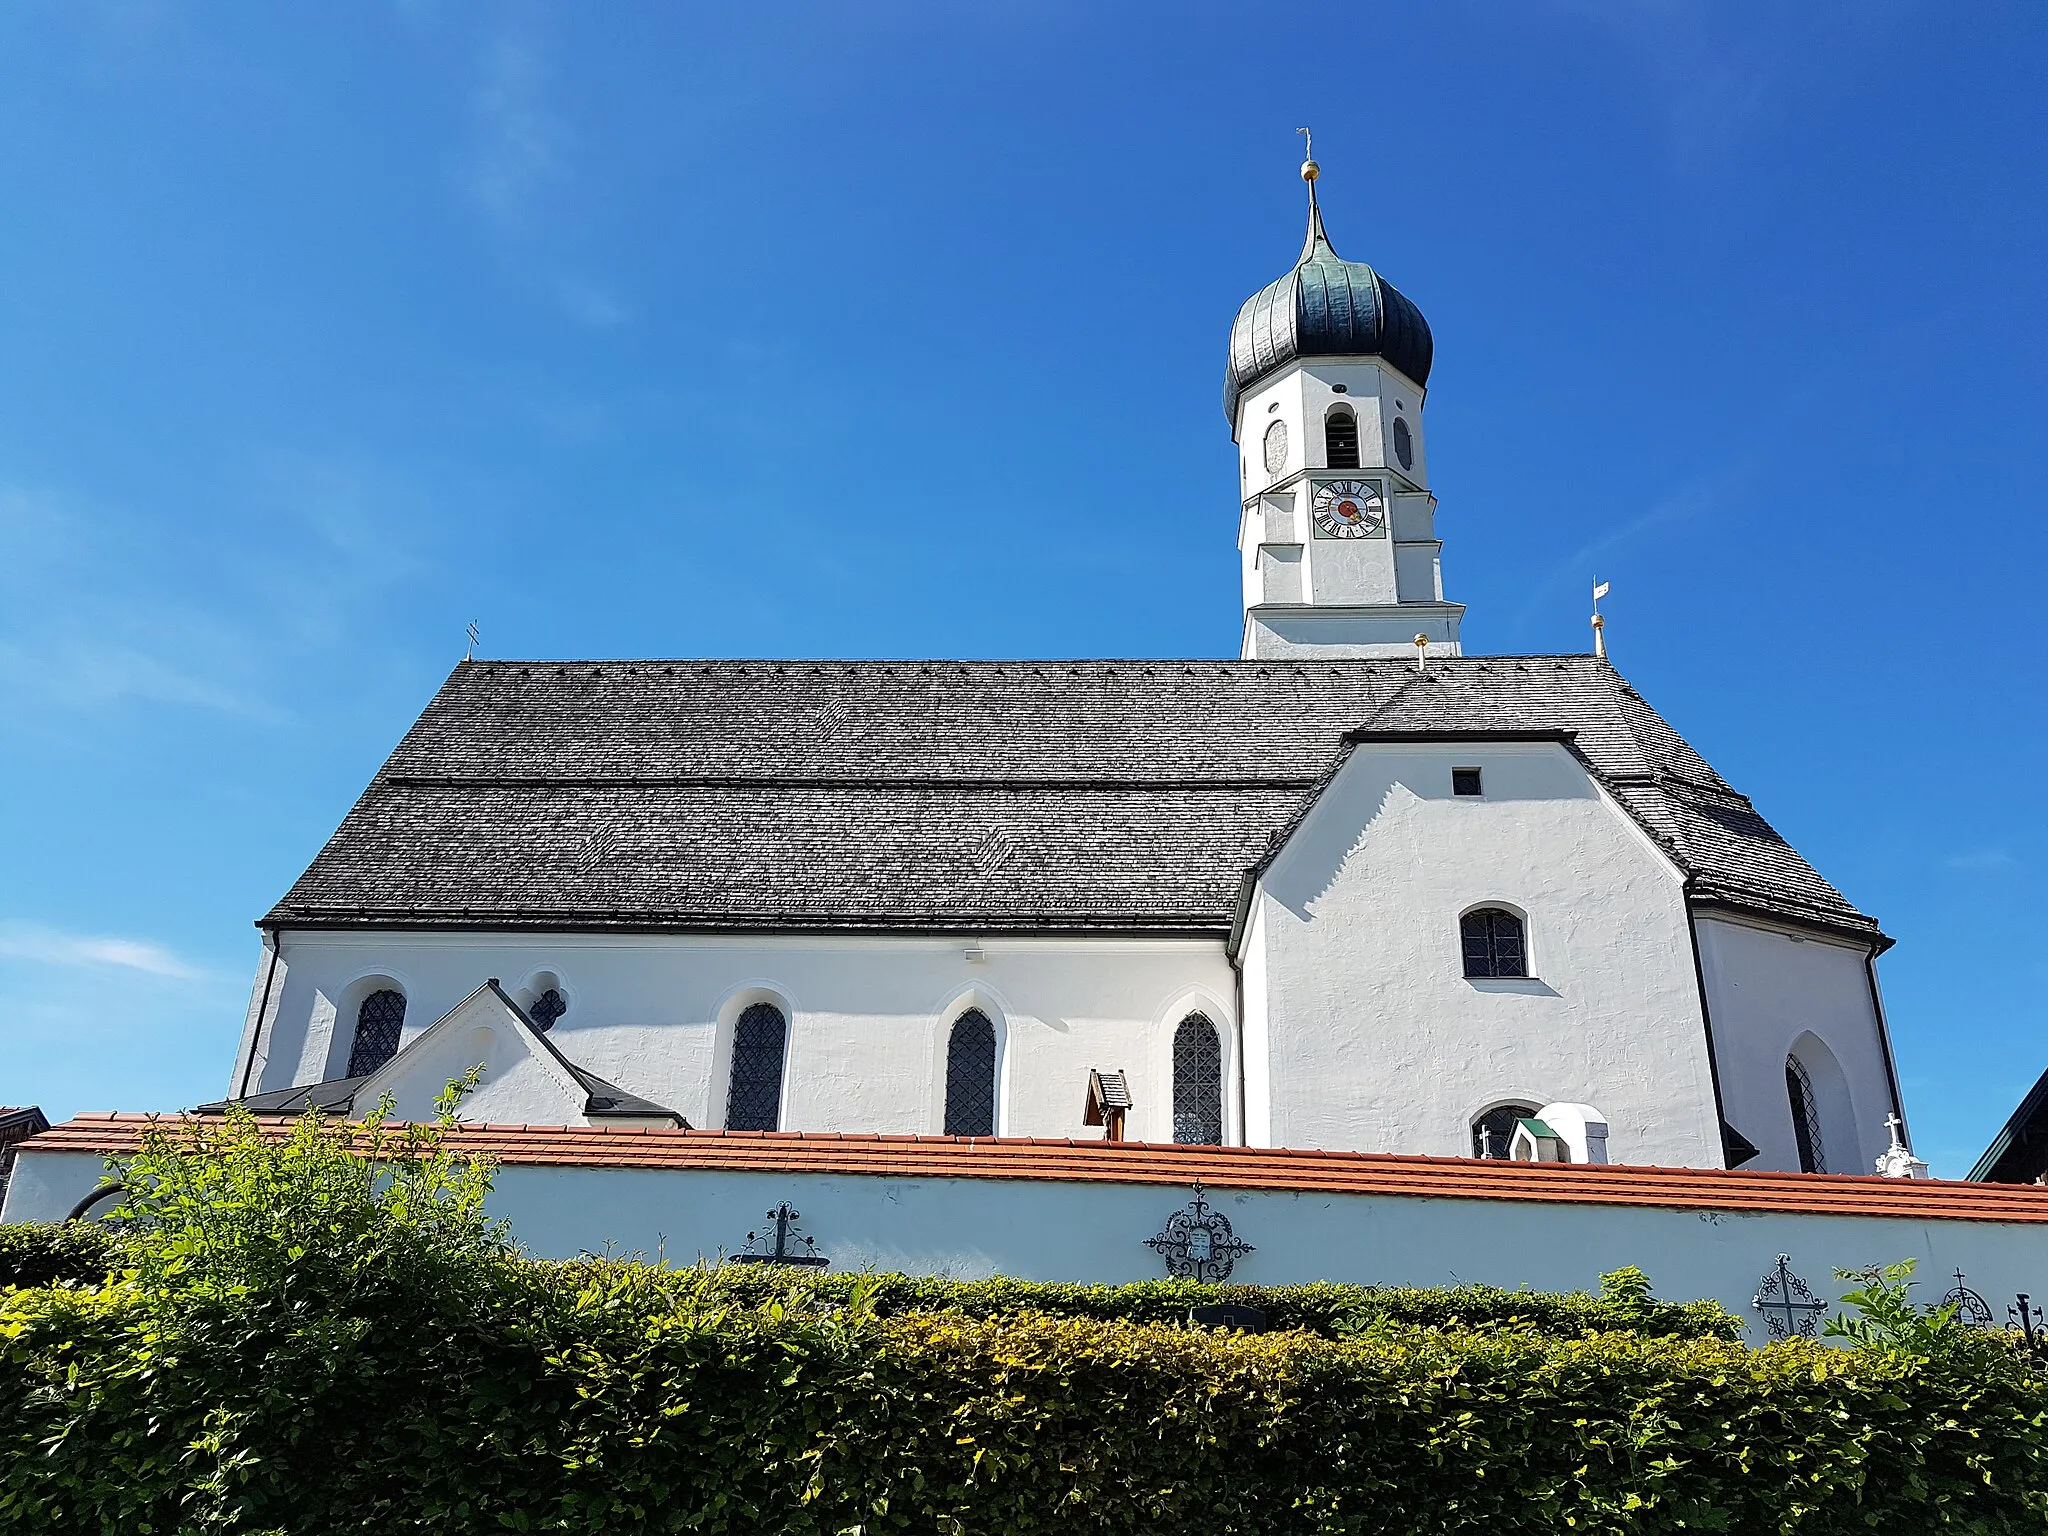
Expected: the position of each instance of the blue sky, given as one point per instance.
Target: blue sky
(897, 330)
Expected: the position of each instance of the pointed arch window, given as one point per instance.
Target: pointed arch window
(1494, 943)
(1813, 1153)
(547, 1008)
(753, 1098)
(1493, 1131)
(971, 1076)
(1340, 438)
(1197, 1082)
(379, 1021)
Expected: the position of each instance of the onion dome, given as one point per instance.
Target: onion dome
(1325, 307)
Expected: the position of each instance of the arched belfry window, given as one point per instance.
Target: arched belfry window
(1340, 439)
(1493, 943)
(971, 1076)
(379, 1021)
(547, 1008)
(1197, 1082)
(753, 1100)
(1493, 1131)
(1813, 1153)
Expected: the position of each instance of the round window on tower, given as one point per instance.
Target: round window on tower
(1404, 445)
(1276, 447)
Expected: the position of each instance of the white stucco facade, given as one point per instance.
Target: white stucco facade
(1364, 1032)
(868, 1016)
(1776, 992)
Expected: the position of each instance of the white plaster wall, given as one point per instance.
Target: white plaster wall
(1095, 1231)
(868, 1016)
(1767, 987)
(1376, 1040)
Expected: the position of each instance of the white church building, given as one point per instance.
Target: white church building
(1356, 890)
(1420, 967)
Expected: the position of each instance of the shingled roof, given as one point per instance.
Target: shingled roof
(1125, 796)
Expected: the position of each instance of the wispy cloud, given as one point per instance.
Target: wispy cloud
(1574, 570)
(1981, 861)
(53, 946)
(592, 304)
(518, 142)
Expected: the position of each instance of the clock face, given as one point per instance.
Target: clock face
(1349, 509)
(1404, 445)
(1276, 447)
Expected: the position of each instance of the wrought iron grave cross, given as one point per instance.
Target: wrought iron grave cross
(788, 1240)
(1789, 1308)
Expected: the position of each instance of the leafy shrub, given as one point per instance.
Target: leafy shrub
(301, 1345)
(57, 1253)
(1330, 1310)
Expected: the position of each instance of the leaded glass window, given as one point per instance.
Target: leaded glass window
(1493, 1131)
(753, 1101)
(1340, 437)
(379, 1021)
(971, 1076)
(1813, 1154)
(547, 1008)
(1493, 945)
(1197, 1082)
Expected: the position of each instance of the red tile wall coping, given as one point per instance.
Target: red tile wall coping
(1131, 1162)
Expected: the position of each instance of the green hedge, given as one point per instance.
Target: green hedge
(306, 1339)
(52, 1253)
(1328, 1309)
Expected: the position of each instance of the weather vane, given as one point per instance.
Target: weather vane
(1309, 169)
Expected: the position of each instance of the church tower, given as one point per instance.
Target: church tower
(1328, 368)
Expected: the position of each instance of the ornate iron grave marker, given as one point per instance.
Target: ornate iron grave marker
(1789, 1308)
(1971, 1308)
(790, 1245)
(1198, 1244)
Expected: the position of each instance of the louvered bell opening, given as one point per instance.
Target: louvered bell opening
(1340, 438)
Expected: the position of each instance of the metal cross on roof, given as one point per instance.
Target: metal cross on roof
(471, 631)
(787, 1243)
(1789, 1308)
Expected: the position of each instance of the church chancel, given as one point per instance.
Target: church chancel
(1355, 891)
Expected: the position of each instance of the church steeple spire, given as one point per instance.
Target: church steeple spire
(1309, 172)
(1324, 392)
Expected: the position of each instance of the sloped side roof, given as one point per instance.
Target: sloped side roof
(1073, 796)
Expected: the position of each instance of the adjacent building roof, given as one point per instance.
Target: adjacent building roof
(1325, 307)
(2019, 1152)
(1149, 1163)
(1114, 796)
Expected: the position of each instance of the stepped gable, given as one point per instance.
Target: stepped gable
(1124, 796)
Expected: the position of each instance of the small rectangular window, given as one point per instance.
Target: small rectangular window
(1465, 781)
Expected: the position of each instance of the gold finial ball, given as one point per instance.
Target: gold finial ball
(1422, 639)
(1310, 170)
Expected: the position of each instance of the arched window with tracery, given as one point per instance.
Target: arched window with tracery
(1493, 943)
(753, 1098)
(1340, 439)
(547, 1008)
(1813, 1152)
(379, 1021)
(971, 1076)
(1197, 1082)
(1493, 1131)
